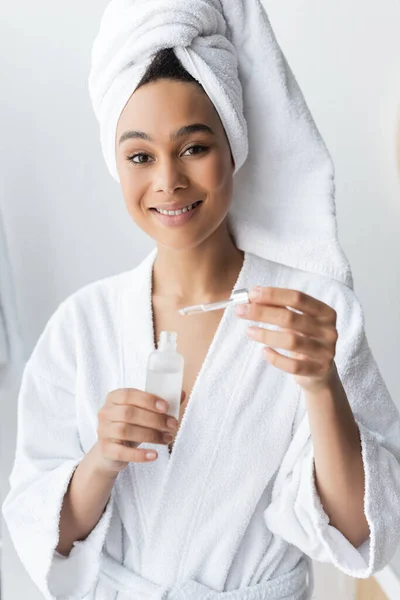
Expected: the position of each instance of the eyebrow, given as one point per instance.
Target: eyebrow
(193, 128)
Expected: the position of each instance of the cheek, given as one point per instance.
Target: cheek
(133, 189)
(216, 176)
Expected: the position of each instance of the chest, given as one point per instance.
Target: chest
(195, 334)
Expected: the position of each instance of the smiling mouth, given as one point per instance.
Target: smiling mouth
(172, 213)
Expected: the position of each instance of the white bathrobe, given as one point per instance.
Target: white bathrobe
(235, 506)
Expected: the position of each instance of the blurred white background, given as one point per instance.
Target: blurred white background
(64, 216)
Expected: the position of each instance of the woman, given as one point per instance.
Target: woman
(279, 456)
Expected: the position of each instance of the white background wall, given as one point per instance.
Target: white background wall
(64, 216)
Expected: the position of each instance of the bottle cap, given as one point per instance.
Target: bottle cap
(167, 340)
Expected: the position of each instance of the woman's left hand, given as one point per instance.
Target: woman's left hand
(310, 336)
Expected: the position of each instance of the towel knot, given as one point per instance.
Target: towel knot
(132, 31)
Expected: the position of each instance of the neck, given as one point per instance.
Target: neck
(204, 273)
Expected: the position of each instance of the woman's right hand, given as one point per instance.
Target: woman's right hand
(128, 418)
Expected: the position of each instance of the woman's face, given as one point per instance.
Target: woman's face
(195, 166)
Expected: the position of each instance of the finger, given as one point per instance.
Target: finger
(290, 341)
(126, 432)
(296, 299)
(326, 335)
(291, 365)
(120, 452)
(134, 415)
(285, 319)
(139, 398)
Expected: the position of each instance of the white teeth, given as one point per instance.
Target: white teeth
(177, 212)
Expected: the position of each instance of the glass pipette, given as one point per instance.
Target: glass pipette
(237, 297)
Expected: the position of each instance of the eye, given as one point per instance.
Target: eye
(130, 158)
(140, 162)
(203, 148)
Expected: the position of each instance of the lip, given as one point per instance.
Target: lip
(173, 220)
(175, 206)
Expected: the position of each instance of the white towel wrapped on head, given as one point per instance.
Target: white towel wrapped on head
(283, 205)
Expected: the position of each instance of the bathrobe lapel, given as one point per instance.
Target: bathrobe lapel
(221, 437)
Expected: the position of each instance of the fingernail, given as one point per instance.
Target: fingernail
(167, 437)
(171, 423)
(251, 333)
(255, 293)
(241, 309)
(160, 405)
(151, 455)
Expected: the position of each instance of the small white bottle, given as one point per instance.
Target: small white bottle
(165, 372)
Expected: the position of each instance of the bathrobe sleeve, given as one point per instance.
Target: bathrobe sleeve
(296, 512)
(48, 451)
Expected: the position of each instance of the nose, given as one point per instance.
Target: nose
(168, 177)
